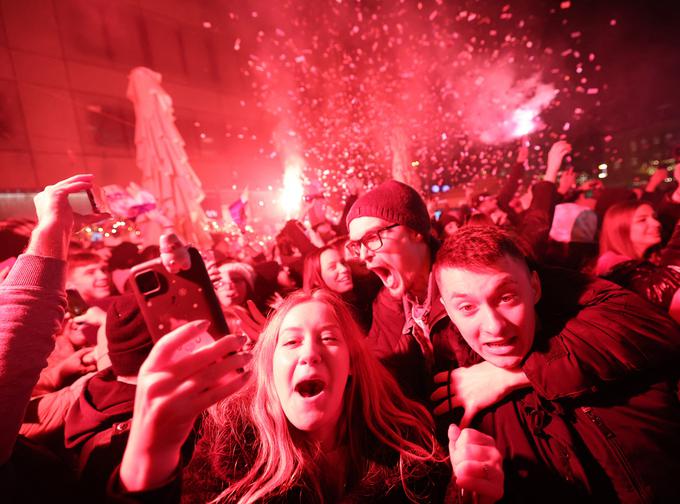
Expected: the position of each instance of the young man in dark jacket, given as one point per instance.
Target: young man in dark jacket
(594, 415)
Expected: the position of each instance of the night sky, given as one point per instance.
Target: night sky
(345, 88)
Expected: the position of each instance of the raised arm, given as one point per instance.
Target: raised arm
(32, 303)
(555, 156)
(175, 384)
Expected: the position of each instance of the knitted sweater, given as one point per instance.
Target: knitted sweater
(32, 305)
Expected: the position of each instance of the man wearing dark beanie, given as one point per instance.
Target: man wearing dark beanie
(389, 229)
(97, 425)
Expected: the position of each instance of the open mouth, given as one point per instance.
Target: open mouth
(310, 388)
(502, 346)
(385, 275)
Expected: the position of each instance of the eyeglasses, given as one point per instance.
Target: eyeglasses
(371, 240)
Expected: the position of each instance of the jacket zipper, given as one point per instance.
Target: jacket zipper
(618, 452)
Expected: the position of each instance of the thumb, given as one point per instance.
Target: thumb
(88, 358)
(469, 414)
(83, 351)
(454, 434)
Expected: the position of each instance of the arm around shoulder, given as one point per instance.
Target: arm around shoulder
(614, 335)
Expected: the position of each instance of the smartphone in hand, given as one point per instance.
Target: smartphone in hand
(76, 305)
(169, 300)
(90, 201)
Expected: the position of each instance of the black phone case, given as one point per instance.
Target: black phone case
(182, 297)
(76, 305)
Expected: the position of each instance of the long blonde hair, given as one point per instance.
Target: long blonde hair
(615, 233)
(374, 407)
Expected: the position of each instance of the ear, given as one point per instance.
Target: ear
(535, 283)
(415, 235)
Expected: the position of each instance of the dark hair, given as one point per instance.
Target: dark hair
(480, 219)
(14, 236)
(84, 258)
(478, 247)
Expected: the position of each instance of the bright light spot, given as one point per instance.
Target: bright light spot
(446, 188)
(524, 121)
(291, 195)
(435, 188)
(603, 170)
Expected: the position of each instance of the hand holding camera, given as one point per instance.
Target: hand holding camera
(56, 219)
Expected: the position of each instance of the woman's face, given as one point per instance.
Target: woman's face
(334, 272)
(311, 367)
(233, 288)
(645, 230)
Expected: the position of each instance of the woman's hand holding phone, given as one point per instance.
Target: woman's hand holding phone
(175, 384)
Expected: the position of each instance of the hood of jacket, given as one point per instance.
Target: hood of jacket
(103, 402)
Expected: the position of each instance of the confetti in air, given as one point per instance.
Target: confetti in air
(369, 88)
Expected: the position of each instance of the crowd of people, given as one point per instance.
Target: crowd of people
(518, 347)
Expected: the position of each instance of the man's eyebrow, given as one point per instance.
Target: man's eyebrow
(506, 281)
(454, 295)
(372, 230)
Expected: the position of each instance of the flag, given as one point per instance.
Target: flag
(237, 210)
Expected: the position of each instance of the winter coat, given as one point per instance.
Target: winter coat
(391, 340)
(601, 422)
(97, 429)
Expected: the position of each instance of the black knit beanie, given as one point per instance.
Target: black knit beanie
(128, 338)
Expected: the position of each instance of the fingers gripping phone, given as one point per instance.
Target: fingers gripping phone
(169, 300)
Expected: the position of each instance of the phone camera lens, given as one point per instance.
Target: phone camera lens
(148, 282)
